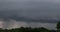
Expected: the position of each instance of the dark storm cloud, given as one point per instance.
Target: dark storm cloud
(6, 15)
(30, 10)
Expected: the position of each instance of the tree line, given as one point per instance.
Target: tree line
(29, 29)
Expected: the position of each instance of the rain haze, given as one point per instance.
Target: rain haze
(33, 13)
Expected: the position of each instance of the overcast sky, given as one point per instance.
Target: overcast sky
(40, 11)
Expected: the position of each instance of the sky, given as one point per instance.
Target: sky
(34, 13)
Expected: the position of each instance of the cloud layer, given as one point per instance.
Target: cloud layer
(25, 11)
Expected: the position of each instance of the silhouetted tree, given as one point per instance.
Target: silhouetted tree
(58, 26)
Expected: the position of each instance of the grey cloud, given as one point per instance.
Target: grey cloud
(30, 10)
(6, 15)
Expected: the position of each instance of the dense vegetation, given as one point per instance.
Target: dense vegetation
(29, 29)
